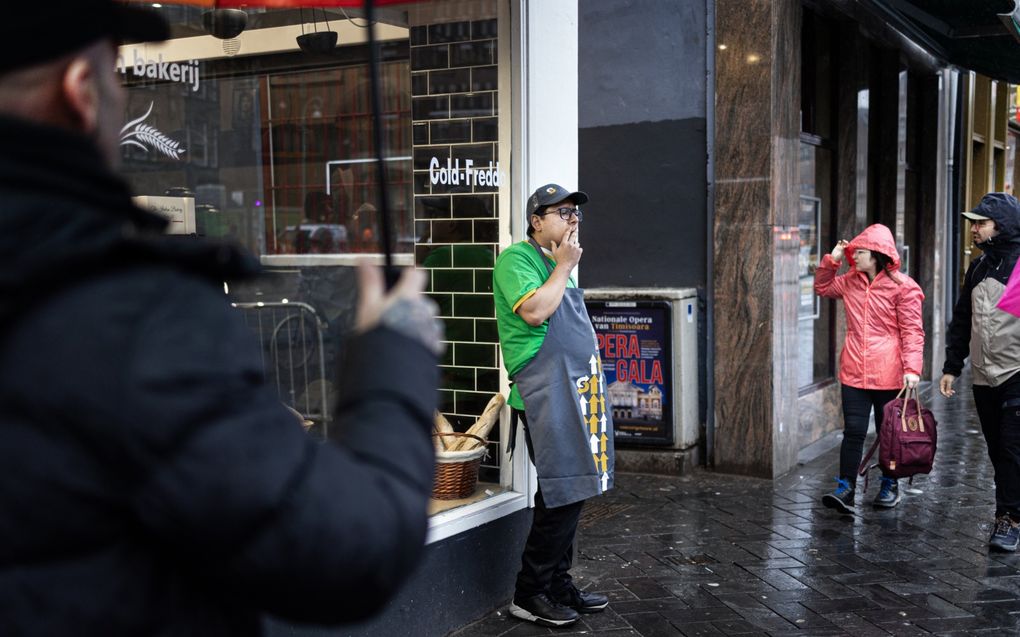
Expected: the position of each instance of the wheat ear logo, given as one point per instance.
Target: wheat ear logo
(146, 137)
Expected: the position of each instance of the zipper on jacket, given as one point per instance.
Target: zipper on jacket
(867, 306)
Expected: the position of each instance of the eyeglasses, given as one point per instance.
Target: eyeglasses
(564, 213)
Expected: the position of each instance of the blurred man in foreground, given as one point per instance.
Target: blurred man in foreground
(152, 484)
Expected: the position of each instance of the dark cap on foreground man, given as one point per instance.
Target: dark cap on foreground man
(40, 31)
(152, 484)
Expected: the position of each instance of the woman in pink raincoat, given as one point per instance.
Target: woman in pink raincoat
(883, 347)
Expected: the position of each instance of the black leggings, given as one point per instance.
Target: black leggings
(999, 412)
(857, 406)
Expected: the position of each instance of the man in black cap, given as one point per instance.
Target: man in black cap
(153, 484)
(991, 337)
(559, 394)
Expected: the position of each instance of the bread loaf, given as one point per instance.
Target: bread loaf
(443, 426)
(483, 425)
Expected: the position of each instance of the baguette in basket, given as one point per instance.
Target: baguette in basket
(458, 455)
(482, 426)
(442, 426)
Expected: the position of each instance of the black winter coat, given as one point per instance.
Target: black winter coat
(152, 484)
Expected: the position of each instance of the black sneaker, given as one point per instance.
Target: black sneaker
(581, 601)
(888, 494)
(842, 499)
(1005, 534)
(543, 611)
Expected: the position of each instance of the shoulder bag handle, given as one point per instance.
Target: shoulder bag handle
(862, 469)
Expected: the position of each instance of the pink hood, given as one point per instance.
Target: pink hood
(884, 328)
(877, 238)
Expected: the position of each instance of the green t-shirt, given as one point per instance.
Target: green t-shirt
(519, 272)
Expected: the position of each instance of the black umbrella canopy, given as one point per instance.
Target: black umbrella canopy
(967, 33)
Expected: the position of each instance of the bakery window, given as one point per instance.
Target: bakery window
(255, 126)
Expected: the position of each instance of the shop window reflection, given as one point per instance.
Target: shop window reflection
(320, 150)
(277, 154)
(284, 163)
(815, 316)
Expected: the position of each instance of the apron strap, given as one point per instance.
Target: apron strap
(518, 416)
(512, 442)
(541, 253)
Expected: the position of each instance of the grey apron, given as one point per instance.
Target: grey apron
(570, 420)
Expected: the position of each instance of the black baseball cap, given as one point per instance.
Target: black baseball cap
(45, 30)
(549, 194)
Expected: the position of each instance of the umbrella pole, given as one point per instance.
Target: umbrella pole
(385, 226)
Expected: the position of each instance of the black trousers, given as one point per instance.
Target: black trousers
(1000, 423)
(857, 406)
(549, 549)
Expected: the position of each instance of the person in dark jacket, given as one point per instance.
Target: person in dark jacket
(991, 338)
(152, 484)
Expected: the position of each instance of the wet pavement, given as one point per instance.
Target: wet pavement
(711, 554)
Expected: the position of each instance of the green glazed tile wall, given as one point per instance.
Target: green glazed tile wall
(455, 119)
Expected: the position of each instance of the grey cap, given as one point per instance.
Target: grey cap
(549, 194)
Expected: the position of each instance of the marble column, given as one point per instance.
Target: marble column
(755, 234)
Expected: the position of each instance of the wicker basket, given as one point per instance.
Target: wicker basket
(457, 471)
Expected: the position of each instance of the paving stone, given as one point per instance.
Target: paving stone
(937, 605)
(653, 625)
(644, 588)
(786, 562)
(493, 626)
(694, 615)
(799, 595)
(766, 621)
(944, 624)
(825, 585)
(607, 620)
(695, 596)
(904, 629)
(978, 595)
(823, 606)
(780, 580)
(649, 605)
(701, 629)
(883, 596)
(808, 633)
(800, 616)
(855, 625)
(887, 615)
(856, 579)
(736, 627)
(522, 629)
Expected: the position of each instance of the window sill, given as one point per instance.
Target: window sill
(304, 260)
(450, 523)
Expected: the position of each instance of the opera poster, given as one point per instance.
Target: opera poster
(634, 344)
